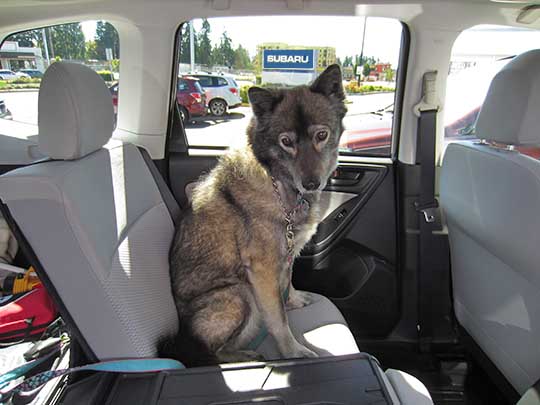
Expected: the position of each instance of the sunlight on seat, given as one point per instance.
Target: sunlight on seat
(339, 335)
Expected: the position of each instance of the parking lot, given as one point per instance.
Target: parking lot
(207, 131)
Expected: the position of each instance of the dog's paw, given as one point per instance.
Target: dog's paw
(298, 299)
(301, 351)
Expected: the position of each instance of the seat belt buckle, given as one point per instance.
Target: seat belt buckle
(429, 210)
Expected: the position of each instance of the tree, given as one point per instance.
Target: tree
(366, 70)
(67, 41)
(107, 37)
(203, 51)
(26, 38)
(185, 56)
(91, 50)
(241, 59)
(389, 75)
(224, 53)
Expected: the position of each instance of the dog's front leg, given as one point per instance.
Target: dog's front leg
(264, 278)
(296, 299)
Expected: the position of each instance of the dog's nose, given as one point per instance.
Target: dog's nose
(311, 185)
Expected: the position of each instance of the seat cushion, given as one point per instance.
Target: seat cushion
(406, 389)
(320, 327)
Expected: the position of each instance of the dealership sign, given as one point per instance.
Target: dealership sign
(289, 59)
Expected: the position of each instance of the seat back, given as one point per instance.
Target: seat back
(491, 197)
(95, 219)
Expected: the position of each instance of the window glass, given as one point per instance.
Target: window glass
(182, 85)
(236, 51)
(25, 56)
(477, 55)
(221, 81)
(205, 81)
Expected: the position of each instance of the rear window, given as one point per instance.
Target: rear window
(477, 55)
(92, 43)
(198, 87)
(244, 49)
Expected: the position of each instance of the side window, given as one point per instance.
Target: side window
(248, 51)
(221, 81)
(477, 55)
(182, 85)
(205, 81)
(25, 56)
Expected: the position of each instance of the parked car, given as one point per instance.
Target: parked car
(190, 96)
(4, 112)
(7, 75)
(460, 113)
(114, 93)
(222, 92)
(32, 73)
(21, 74)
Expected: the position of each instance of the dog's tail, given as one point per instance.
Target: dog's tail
(186, 348)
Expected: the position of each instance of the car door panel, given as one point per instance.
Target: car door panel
(351, 259)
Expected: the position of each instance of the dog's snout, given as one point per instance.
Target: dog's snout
(311, 184)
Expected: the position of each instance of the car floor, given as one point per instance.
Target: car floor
(452, 380)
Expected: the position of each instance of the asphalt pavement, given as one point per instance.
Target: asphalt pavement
(207, 131)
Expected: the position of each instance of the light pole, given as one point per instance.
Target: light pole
(44, 37)
(362, 49)
(191, 47)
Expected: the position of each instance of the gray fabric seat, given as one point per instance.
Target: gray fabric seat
(98, 225)
(491, 198)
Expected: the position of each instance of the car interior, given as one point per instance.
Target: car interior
(423, 264)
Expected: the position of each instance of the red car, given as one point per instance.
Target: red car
(190, 97)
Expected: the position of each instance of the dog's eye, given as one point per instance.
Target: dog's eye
(322, 135)
(286, 141)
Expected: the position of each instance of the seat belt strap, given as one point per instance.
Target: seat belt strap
(426, 207)
(166, 194)
(113, 366)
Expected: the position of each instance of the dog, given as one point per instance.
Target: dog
(231, 257)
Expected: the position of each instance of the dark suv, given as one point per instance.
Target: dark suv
(190, 96)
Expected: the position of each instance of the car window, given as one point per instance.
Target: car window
(221, 81)
(182, 85)
(477, 55)
(250, 51)
(29, 53)
(198, 87)
(205, 81)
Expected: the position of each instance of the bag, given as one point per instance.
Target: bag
(25, 314)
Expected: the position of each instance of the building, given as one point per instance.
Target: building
(281, 63)
(15, 57)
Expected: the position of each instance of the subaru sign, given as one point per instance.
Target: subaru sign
(289, 59)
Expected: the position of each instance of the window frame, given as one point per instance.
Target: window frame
(178, 143)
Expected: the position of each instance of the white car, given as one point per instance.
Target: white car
(7, 75)
(22, 74)
(222, 92)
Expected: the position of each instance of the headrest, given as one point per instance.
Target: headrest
(511, 112)
(75, 112)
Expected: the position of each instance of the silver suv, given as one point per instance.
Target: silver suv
(222, 92)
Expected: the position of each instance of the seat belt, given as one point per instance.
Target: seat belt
(166, 194)
(426, 207)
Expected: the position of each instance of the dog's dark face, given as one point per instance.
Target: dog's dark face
(295, 133)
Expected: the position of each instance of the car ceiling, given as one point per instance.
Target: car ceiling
(16, 15)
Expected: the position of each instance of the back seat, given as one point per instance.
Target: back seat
(100, 231)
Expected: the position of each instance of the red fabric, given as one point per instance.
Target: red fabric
(35, 304)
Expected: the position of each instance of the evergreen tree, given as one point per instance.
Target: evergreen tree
(107, 37)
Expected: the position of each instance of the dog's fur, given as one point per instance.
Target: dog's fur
(228, 261)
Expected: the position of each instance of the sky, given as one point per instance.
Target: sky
(382, 38)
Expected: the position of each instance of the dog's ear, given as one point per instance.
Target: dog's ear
(262, 100)
(329, 83)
